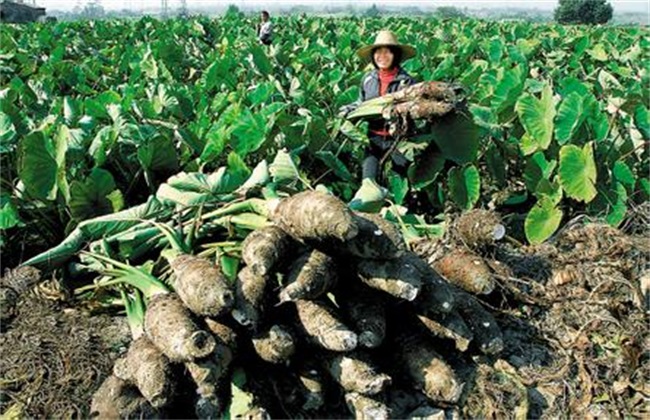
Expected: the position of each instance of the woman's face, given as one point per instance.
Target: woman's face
(384, 58)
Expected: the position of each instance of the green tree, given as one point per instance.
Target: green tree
(93, 10)
(234, 12)
(450, 12)
(583, 11)
(373, 11)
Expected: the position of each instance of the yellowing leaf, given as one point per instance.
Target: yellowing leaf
(598, 52)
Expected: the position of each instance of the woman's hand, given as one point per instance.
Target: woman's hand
(346, 109)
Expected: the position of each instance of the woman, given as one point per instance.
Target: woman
(386, 55)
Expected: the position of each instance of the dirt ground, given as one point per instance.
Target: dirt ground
(54, 358)
(574, 313)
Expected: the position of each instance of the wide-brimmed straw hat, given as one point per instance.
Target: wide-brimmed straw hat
(386, 39)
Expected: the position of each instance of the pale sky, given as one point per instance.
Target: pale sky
(619, 5)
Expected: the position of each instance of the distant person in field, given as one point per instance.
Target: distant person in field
(386, 55)
(265, 29)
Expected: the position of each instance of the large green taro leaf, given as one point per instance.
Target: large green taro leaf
(536, 115)
(578, 172)
(542, 221)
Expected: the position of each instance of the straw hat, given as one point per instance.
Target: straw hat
(386, 39)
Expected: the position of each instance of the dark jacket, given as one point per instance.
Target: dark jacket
(370, 90)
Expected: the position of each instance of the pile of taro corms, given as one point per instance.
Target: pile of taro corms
(331, 316)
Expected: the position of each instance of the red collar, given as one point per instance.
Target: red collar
(388, 73)
(385, 77)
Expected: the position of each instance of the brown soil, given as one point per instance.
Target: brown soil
(54, 359)
(575, 329)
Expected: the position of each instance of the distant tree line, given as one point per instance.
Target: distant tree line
(567, 12)
(584, 11)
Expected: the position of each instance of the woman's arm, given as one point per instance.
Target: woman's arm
(412, 81)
